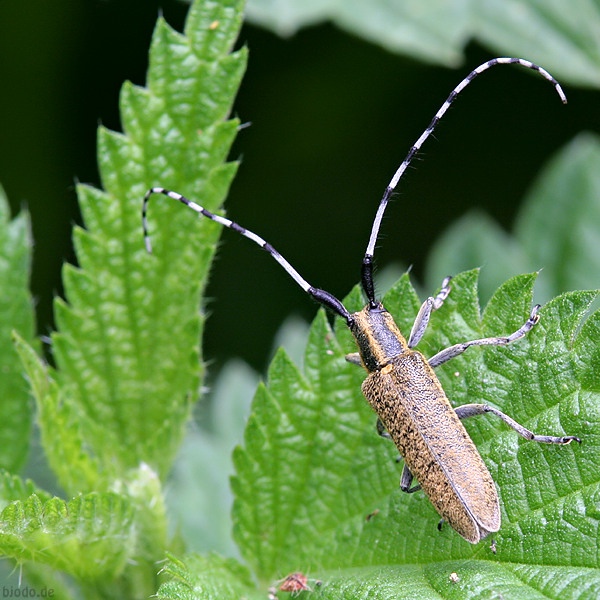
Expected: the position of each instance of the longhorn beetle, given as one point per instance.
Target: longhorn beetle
(401, 385)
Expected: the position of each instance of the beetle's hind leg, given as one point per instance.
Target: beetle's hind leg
(454, 351)
(406, 480)
(431, 304)
(472, 410)
(381, 430)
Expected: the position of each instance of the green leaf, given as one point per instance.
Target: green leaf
(127, 346)
(198, 492)
(113, 410)
(59, 423)
(208, 577)
(564, 37)
(16, 312)
(89, 537)
(475, 240)
(555, 230)
(475, 579)
(558, 224)
(45, 581)
(285, 17)
(434, 32)
(316, 489)
(12, 488)
(292, 335)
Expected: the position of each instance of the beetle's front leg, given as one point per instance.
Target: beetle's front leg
(422, 320)
(354, 359)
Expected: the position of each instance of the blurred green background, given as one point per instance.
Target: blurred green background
(332, 117)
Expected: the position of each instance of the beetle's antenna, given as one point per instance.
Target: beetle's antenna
(367, 264)
(325, 298)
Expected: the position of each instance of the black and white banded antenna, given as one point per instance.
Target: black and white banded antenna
(367, 264)
(323, 297)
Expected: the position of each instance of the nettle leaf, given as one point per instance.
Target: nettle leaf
(435, 32)
(207, 577)
(557, 226)
(198, 491)
(476, 240)
(562, 36)
(59, 423)
(16, 312)
(556, 229)
(90, 537)
(566, 36)
(316, 489)
(127, 346)
(13, 488)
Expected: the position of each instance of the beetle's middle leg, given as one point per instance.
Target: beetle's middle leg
(454, 351)
(471, 410)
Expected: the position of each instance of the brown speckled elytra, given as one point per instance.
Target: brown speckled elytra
(401, 385)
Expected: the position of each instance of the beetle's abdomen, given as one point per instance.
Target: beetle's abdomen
(436, 448)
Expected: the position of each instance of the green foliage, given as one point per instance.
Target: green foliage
(207, 577)
(198, 495)
(556, 229)
(565, 35)
(315, 488)
(127, 345)
(128, 367)
(13, 488)
(557, 225)
(313, 468)
(90, 537)
(113, 409)
(16, 312)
